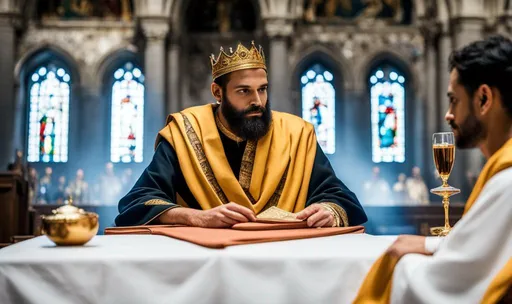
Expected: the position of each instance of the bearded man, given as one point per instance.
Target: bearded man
(221, 164)
(473, 264)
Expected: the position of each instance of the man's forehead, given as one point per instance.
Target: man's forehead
(249, 74)
(454, 75)
(454, 78)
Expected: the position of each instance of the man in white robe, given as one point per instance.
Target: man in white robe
(464, 266)
(466, 262)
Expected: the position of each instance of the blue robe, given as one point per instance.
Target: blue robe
(163, 179)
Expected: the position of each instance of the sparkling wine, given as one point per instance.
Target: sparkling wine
(444, 156)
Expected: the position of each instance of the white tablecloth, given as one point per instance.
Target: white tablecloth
(157, 269)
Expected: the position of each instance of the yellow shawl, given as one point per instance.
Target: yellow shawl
(275, 171)
(376, 288)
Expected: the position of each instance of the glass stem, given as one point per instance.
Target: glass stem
(446, 205)
(445, 182)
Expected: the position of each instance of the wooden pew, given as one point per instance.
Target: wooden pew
(14, 207)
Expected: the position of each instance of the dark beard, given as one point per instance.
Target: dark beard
(248, 128)
(470, 132)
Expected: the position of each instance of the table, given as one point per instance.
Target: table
(158, 269)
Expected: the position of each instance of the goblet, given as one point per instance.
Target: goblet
(443, 148)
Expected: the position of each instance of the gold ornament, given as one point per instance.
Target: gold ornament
(241, 59)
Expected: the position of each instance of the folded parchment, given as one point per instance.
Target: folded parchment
(274, 214)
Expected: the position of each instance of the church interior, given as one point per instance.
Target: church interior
(87, 85)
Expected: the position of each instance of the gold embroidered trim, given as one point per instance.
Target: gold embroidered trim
(274, 199)
(339, 212)
(225, 130)
(156, 202)
(336, 217)
(246, 168)
(203, 161)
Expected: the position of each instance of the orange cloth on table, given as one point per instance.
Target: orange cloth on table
(239, 234)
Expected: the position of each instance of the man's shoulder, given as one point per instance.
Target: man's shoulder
(290, 120)
(199, 108)
(198, 111)
(501, 181)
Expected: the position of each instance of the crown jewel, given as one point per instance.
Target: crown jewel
(241, 59)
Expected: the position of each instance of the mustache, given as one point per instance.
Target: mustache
(255, 109)
(453, 125)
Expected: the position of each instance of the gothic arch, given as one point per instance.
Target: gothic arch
(109, 61)
(334, 61)
(376, 56)
(42, 53)
(32, 59)
(330, 87)
(411, 102)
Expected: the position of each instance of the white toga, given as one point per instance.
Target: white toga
(468, 259)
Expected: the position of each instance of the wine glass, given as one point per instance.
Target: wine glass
(443, 149)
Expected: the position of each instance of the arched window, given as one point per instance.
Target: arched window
(127, 123)
(387, 94)
(49, 91)
(318, 105)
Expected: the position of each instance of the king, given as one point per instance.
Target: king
(223, 163)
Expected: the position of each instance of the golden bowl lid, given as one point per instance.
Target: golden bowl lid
(67, 212)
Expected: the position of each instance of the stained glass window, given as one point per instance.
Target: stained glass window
(318, 105)
(387, 94)
(126, 143)
(49, 91)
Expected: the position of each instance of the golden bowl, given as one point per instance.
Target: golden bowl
(70, 226)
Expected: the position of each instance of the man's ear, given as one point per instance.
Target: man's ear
(216, 91)
(486, 99)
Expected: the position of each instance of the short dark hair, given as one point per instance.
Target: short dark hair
(222, 81)
(487, 61)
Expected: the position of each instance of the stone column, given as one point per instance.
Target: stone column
(7, 86)
(504, 24)
(90, 103)
(443, 78)
(468, 30)
(174, 103)
(155, 30)
(279, 30)
(432, 102)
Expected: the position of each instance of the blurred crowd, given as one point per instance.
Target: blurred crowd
(45, 188)
(405, 191)
(109, 187)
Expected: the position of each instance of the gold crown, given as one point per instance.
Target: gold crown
(241, 59)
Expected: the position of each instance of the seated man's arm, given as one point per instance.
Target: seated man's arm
(154, 192)
(325, 187)
(153, 199)
(468, 259)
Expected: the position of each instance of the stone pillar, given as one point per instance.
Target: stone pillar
(468, 30)
(155, 30)
(432, 103)
(90, 103)
(7, 98)
(416, 117)
(174, 103)
(504, 24)
(279, 76)
(443, 78)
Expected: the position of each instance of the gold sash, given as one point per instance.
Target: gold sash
(376, 288)
(500, 285)
(277, 173)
